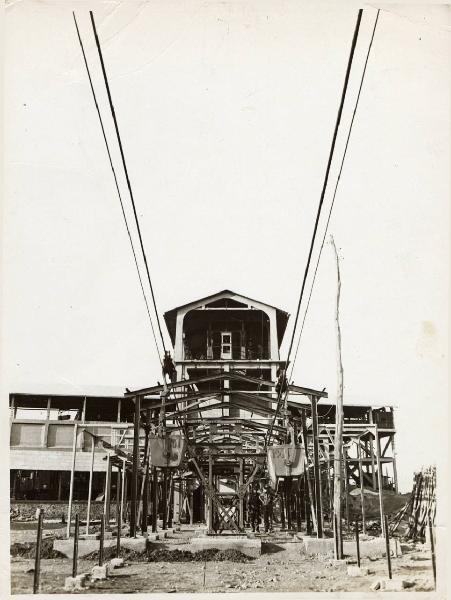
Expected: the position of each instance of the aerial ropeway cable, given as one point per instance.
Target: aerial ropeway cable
(334, 194)
(318, 214)
(117, 186)
(124, 164)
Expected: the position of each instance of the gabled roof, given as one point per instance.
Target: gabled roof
(171, 315)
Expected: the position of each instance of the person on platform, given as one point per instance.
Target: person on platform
(169, 367)
(253, 503)
(267, 501)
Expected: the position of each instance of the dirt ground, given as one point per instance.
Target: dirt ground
(282, 567)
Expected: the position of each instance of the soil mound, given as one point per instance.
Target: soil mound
(28, 549)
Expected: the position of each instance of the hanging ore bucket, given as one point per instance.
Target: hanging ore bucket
(167, 451)
(285, 461)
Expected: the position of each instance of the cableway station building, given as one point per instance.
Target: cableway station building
(223, 398)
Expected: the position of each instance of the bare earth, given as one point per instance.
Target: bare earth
(282, 568)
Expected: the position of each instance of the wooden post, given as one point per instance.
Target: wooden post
(72, 476)
(191, 506)
(134, 491)
(338, 442)
(118, 513)
(101, 540)
(371, 450)
(431, 536)
(298, 506)
(91, 473)
(379, 478)
(241, 501)
(362, 491)
(145, 500)
(123, 485)
(357, 541)
(395, 472)
(107, 495)
(210, 501)
(282, 509)
(171, 500)
(288, 502)
(346, 482)
(387, 546)
(308, 488)
(154, 499)
(75, 556)
(319, 510)
(37, 560)
(165, 498)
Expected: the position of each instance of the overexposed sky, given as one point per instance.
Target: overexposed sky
(226, 111)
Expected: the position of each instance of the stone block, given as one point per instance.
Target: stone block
(354, 571)
(249, 547)
(85, 547)
(393, 585)
(99, 573)
(116, 563)
(374, 548)
(75, 583)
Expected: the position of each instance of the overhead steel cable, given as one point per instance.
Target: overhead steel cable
(318, 213)
(116, 126)
(117, 185)
(335, 190)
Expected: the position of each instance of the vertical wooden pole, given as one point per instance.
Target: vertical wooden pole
(387, 546)
(107, 495)
(37, 560)
(346, 482)
(338, 445)
(101, 540)
(241, 503)
(171, 500)
(154, 499)
(357, 541)
(72, 477)
(379, 479)
(395, 472)
(191, 507)
(210, 484)
(431, 536)
(118, 512)
(282, 509)
(288, 502)
(308, 488)
(134, 490)
(75, 555)
(91, 473)
(318, 511)
(145, 479)
(123, 485)
(60, 477)
(362, 490)
(165, 498)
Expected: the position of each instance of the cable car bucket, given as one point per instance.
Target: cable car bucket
(286, 460)
(167, 450)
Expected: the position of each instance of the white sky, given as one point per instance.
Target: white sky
(226, 111)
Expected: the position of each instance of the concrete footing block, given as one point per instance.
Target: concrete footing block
(99, 573)
(116, 563)
(75, 583)
(249, 547)
(354, 571)
(389, 585)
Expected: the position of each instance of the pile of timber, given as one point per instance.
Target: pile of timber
(421, 506)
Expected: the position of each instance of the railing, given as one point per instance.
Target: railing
(60, 434)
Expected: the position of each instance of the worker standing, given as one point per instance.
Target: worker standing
(253, 503)
(267, 500)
